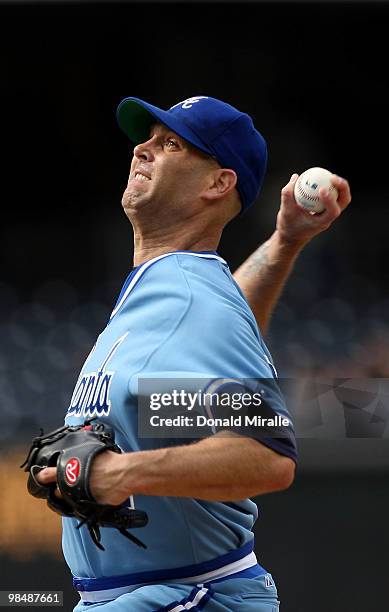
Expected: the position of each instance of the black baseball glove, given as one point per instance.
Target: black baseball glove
(71, 449)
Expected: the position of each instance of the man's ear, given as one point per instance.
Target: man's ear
(222, 182)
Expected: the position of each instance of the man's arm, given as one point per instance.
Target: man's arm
(222, 467)
(263, 275)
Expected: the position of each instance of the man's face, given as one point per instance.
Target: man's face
(167, 174)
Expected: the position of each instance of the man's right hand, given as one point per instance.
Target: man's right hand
(298, 226)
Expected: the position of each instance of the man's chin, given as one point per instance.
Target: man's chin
(132, 202)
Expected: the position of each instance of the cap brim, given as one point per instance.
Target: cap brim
(135, 117)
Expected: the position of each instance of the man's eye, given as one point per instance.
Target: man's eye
(170, 143)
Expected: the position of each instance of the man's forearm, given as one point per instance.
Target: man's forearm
(220, 468)
(263, 275)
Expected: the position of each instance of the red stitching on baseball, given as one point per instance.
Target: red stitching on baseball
(307, 196)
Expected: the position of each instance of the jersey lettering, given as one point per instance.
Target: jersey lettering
(91, 395)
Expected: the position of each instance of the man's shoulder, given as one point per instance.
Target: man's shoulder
(210, 276)
(187, 274)
(214, 291)
(190, 289)
(185, 266)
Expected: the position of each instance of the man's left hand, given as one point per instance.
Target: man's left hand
(106, 478)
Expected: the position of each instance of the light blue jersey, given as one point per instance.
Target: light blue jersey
(180, 315)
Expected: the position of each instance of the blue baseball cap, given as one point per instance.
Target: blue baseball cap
(214, 127)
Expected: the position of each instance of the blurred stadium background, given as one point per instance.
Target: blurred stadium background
(314, 77)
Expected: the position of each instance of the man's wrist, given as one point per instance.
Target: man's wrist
(141, 470)
(289, 244)
(128, 472)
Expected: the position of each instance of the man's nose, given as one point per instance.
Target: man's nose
(144, 151)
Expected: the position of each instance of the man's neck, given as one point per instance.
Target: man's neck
(145, 250)
(154, 237)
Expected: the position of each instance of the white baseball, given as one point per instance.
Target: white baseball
(306, 189)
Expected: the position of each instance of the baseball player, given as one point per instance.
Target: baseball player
(181, 315)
